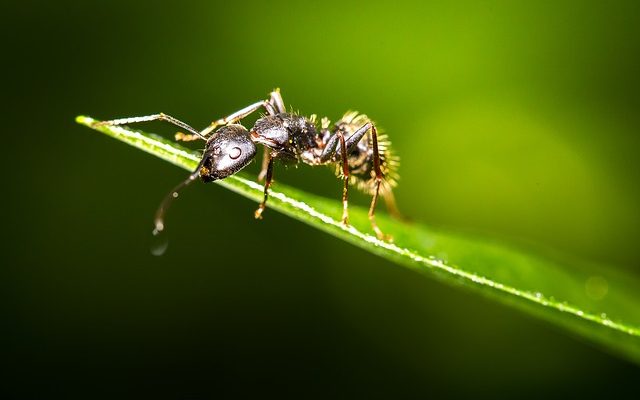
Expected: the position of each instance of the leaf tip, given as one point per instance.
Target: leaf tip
(84, 120)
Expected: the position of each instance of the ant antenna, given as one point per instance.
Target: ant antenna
(166, 202)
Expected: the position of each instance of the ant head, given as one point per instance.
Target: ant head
(228, 151)
(270, 131)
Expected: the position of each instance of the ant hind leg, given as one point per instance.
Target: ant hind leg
(379, 178)
(392, 206)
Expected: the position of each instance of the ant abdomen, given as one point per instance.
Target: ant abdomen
(362, 174)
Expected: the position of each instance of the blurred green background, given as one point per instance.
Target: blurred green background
(516, 120)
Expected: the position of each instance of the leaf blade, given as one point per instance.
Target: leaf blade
(542, 288)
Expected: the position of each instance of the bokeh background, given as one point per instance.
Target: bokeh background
(515, 120)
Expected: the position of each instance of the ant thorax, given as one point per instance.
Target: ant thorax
(289, 137)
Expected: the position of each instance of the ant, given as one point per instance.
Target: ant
(361, 157)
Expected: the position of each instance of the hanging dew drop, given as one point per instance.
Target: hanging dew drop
(160, 239)
(159, 243)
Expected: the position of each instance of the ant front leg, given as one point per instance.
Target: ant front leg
(153, 117)
(273, 106)
(267, 185)
(278, 104)
(275, 98)
(237, 116)
(265, 164)
(229, 119)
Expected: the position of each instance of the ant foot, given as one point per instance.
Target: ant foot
(381, 236)
(258, 213)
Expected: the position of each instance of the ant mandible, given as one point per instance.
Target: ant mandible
(361, 156)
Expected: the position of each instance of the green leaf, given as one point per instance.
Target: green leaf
(600, 304)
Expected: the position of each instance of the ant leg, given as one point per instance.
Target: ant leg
(355, 138)
(332, 144)
(392, 206)
(379, 177)
(327, 154)
(237, 116)
(276, 101)
(153, 117)
(267, 185)
(271, 106)
(265, 164)
(329, 149)
(345, 173)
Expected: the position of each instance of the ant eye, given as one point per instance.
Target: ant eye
(235, 153)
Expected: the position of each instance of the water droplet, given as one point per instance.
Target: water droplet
(603, 315)
(538, 295)
(159, 243)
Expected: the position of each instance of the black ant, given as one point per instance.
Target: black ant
(361, 156)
